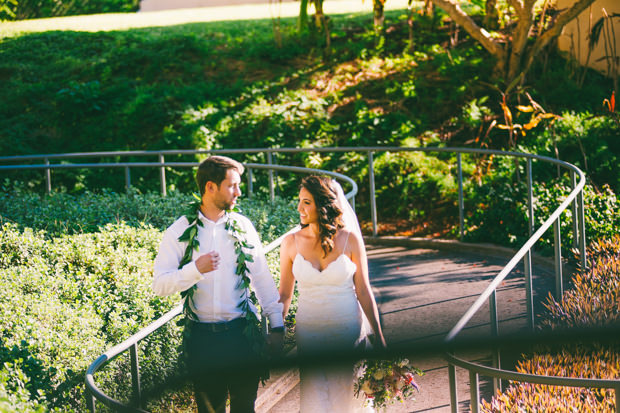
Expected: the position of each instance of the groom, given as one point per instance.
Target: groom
(219, 355)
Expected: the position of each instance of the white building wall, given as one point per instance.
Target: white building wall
(574, 38)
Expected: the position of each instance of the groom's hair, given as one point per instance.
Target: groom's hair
(214, 169)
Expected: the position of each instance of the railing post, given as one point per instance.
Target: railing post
(162, 175)
(135, 376)
(617, 391)
(127, 179)
(559, 288)
(271, 185)
(527, 260)
(574, 210)
(495, 333)
(373, 201)
(582, 230)
(250, 187)
(461, 203)
(493, 313)
(474, 391)
(90, 400)
(48, 177)
(454, 402)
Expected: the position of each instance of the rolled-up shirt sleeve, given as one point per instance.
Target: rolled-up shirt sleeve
(167, 277)
(262, 280)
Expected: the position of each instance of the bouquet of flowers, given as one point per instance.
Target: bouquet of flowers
(385, 381)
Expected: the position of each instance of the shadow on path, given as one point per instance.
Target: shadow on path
(422, 293)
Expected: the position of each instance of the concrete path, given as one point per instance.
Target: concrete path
(422, 292)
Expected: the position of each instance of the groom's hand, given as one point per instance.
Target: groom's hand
(208, 262)
(275, 341)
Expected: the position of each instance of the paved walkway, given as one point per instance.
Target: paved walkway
(422, 292)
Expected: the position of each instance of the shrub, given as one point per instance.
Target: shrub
(593, 299)
(586, 140)
(500, 213)
(62, 213)
(415, 185)
(602, 362)
(87, 285)
(591, 302)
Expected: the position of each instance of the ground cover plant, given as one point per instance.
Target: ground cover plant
(83, 265)
(591, 303)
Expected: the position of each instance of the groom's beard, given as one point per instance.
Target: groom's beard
(224, 205)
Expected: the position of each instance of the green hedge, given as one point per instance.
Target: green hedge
(76, 279)
(496, 212)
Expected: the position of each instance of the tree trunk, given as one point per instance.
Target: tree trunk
(525, 21)
(554, 31)
(469, 25)
(491, 17)
(429, 8)
(510, 67)
(321, 22)
(379, 16)
(410, 45)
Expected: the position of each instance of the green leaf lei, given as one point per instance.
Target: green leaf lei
(252, 330)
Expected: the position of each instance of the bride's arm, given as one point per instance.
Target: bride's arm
(287, 280)
(363, 290)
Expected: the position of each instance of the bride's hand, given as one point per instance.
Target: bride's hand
(378, 342)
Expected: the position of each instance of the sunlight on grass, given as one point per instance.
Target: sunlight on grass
(123, 21)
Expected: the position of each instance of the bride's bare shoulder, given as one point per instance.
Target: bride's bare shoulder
(288, 240)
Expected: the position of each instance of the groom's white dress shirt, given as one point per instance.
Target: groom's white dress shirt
(216, 298)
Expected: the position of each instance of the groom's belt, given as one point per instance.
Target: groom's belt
(219, 327)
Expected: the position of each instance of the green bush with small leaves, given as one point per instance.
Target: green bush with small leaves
(76, 280)
(498, 213)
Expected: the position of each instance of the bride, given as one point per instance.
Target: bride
(336, 307)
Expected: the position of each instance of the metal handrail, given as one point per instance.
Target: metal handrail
(131, 344)
(525, 252)
(473, 309)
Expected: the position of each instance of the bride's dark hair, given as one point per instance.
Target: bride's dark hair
(328, 211)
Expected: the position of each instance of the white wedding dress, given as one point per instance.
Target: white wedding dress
(329, 318)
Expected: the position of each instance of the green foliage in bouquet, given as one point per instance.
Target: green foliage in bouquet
(386, 381)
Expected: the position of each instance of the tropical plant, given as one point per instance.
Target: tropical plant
(605, 27)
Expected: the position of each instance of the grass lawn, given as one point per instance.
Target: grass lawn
(124, 21)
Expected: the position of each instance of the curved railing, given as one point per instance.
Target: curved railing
(573, 200)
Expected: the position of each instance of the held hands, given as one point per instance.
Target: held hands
(275, 342)
(378, 342)
(208, 262)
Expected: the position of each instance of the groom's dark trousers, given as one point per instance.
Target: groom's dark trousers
(220, 361)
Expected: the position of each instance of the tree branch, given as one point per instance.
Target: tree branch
(517, 5)
(467, 23)
(525, 21)
(555, 29)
